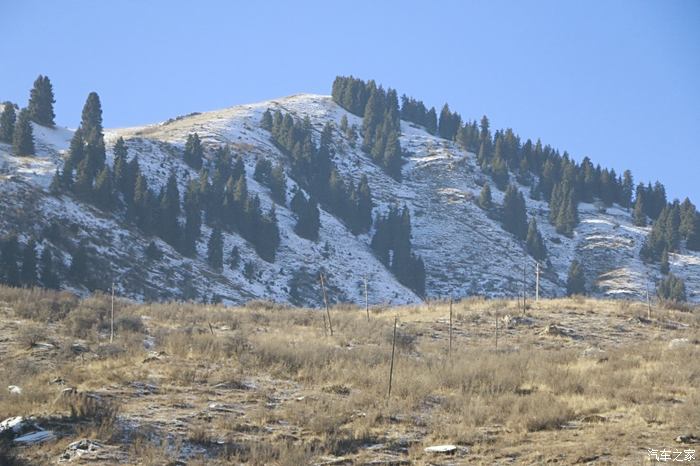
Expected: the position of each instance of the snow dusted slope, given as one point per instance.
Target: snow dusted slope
(465, 251)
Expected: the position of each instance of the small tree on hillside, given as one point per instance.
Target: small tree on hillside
(23, 136)
(575, 282)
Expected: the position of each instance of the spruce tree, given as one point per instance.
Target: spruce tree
(364, 205)
(104, 190)
(91, 121)
(215, 249)
(514, 214)
(7, 122)
(234, 258)
(627, 189)
(664, 267)
(23, 136)
(638, 216)
(485, 201)
(672, 288)
(41, 100)
(278, 184)
(78, 270)
(29, 262)
(534, 242)
(170, 210)
(49, 278)
(193, 218)
(575, 281)
(266, 122)
(10, 252)
(193, 151)
(121, 166)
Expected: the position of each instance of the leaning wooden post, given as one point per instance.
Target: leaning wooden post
(325, 301)
(111, 324)
(648, 303)
(366, 299)
(450, 347)
(391, 368)
(537, 282)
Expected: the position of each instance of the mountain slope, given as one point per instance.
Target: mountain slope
(465, 252)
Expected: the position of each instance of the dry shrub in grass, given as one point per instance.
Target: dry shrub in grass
(40, 305)
(539, 411)
(30, 334)
(88, 407)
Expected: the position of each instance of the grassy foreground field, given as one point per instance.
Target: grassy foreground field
(568, 381)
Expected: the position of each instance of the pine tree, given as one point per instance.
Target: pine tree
(485, 201)
(514, 214)
(278, 184)
(49, 278)
(638, 216)
(364, 205)
(344, 123)
(575, 281)
(215, 249)
(9, 270)
(266, 122)
(41, 100)
(78, 270)
(263, 170)
(431, 124)
(29, 260)
(234, 258)
(627, 189)
(91, 122)
(672, 288)
(193, 151)
(7, 122)
(76, 151)
(104, 190)
(23, 137)
(193, 218)
(534, 242)
(664, 267)
(121, 166)
(269, 237)
(170, 210)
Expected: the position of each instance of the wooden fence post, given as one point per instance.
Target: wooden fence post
(391, 369)
(325, 301)
(111, 325)
(366, 299)
(450, 347)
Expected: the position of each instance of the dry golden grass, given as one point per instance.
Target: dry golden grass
(262, 384)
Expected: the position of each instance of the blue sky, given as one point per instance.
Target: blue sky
(617, 81)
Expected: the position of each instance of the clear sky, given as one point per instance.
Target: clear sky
(618, 81)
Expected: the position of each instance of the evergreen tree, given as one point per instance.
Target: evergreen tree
(7, 122)
(9, 270)
(638, 216)
(278, 184)
(364, 205)
(104, 190)
(514, 214)
(234, 258)
(575, 281)
(534, 242)
(91, 121)
(672, 288)
(343, 123)
(193, 151)
(78, 270)
(121, 166)
(23, 136)
(153, 252)
(485, 201)
(49, 278)
(431, 124)
(664, 267)
(266, 122)
(626, 190)
(41, 102)
(215, 249)
(263, 171)
(29, 262)
(269, 237)
(169, 212)
(193, 218)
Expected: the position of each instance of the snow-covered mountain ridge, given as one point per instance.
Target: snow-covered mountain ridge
(465, 252)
